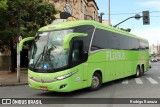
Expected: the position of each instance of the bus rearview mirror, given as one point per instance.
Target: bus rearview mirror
(69, 37)
(22, 42)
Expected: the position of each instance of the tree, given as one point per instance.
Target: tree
(22, 17)
(3, 5)
(127, 30)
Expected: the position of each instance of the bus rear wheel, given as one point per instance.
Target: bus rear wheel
(96, 81)
(138, 72)
(142, 70)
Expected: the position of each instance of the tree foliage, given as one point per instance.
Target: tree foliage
(127, 30)
(26, 15)
(3, 5)
(22, 18)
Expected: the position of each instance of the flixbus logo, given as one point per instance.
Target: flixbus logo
(115, 55)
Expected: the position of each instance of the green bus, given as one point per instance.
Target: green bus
(78, 54)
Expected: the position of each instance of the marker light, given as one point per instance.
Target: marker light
(66, 76)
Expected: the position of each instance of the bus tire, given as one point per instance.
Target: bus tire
(142, 70)
(138, 72)
(96, 81)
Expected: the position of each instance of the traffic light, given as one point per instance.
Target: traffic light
(146, 18)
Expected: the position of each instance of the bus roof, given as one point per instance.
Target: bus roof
(70, 24)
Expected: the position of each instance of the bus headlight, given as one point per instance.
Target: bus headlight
(66, 76)
(43, 80)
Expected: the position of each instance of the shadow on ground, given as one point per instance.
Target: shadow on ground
(81, 92)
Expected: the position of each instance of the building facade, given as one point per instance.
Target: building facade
(105, 22)
(155, 50)
(5, 61)
(79, 9)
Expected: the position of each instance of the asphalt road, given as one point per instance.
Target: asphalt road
(147, 86)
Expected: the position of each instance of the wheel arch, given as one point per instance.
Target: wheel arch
(95, 71)
(98, 71)
(139, 66)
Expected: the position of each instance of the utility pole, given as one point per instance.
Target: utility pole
(18, 53)
(157, 48)
(109, 14)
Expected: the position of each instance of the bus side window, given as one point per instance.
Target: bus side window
(77, 49)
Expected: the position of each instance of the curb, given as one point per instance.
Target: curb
(12, 84)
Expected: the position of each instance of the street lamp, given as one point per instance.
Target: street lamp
(137, 16)
(101, 15)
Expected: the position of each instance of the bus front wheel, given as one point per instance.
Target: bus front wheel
(96, 81)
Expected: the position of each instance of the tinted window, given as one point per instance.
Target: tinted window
(144, 45)
(104, 40)
(80, 45)
(86, 40)
(109, 40)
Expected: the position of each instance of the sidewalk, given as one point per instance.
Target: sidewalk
(8, 78)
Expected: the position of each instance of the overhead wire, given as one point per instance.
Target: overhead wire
(132, 13)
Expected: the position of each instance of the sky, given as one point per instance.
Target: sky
(122, 9)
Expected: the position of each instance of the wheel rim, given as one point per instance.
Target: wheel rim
(95, 81)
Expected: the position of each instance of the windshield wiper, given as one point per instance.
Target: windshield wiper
(45, 56)
(51, 48)
(41, 55)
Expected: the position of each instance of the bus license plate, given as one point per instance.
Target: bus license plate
(43, 88)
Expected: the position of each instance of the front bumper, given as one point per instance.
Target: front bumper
(41, 80)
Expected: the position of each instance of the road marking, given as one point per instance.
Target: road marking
(138, 81)
(155, 68)
(125, 82)
(152, 80)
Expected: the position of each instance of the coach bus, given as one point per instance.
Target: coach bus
(78, 54)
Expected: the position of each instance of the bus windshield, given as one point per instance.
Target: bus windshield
(47, 52)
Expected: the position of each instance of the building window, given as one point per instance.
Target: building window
(85, 9)
(94, 16)
(55, 0)
(81, 8)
